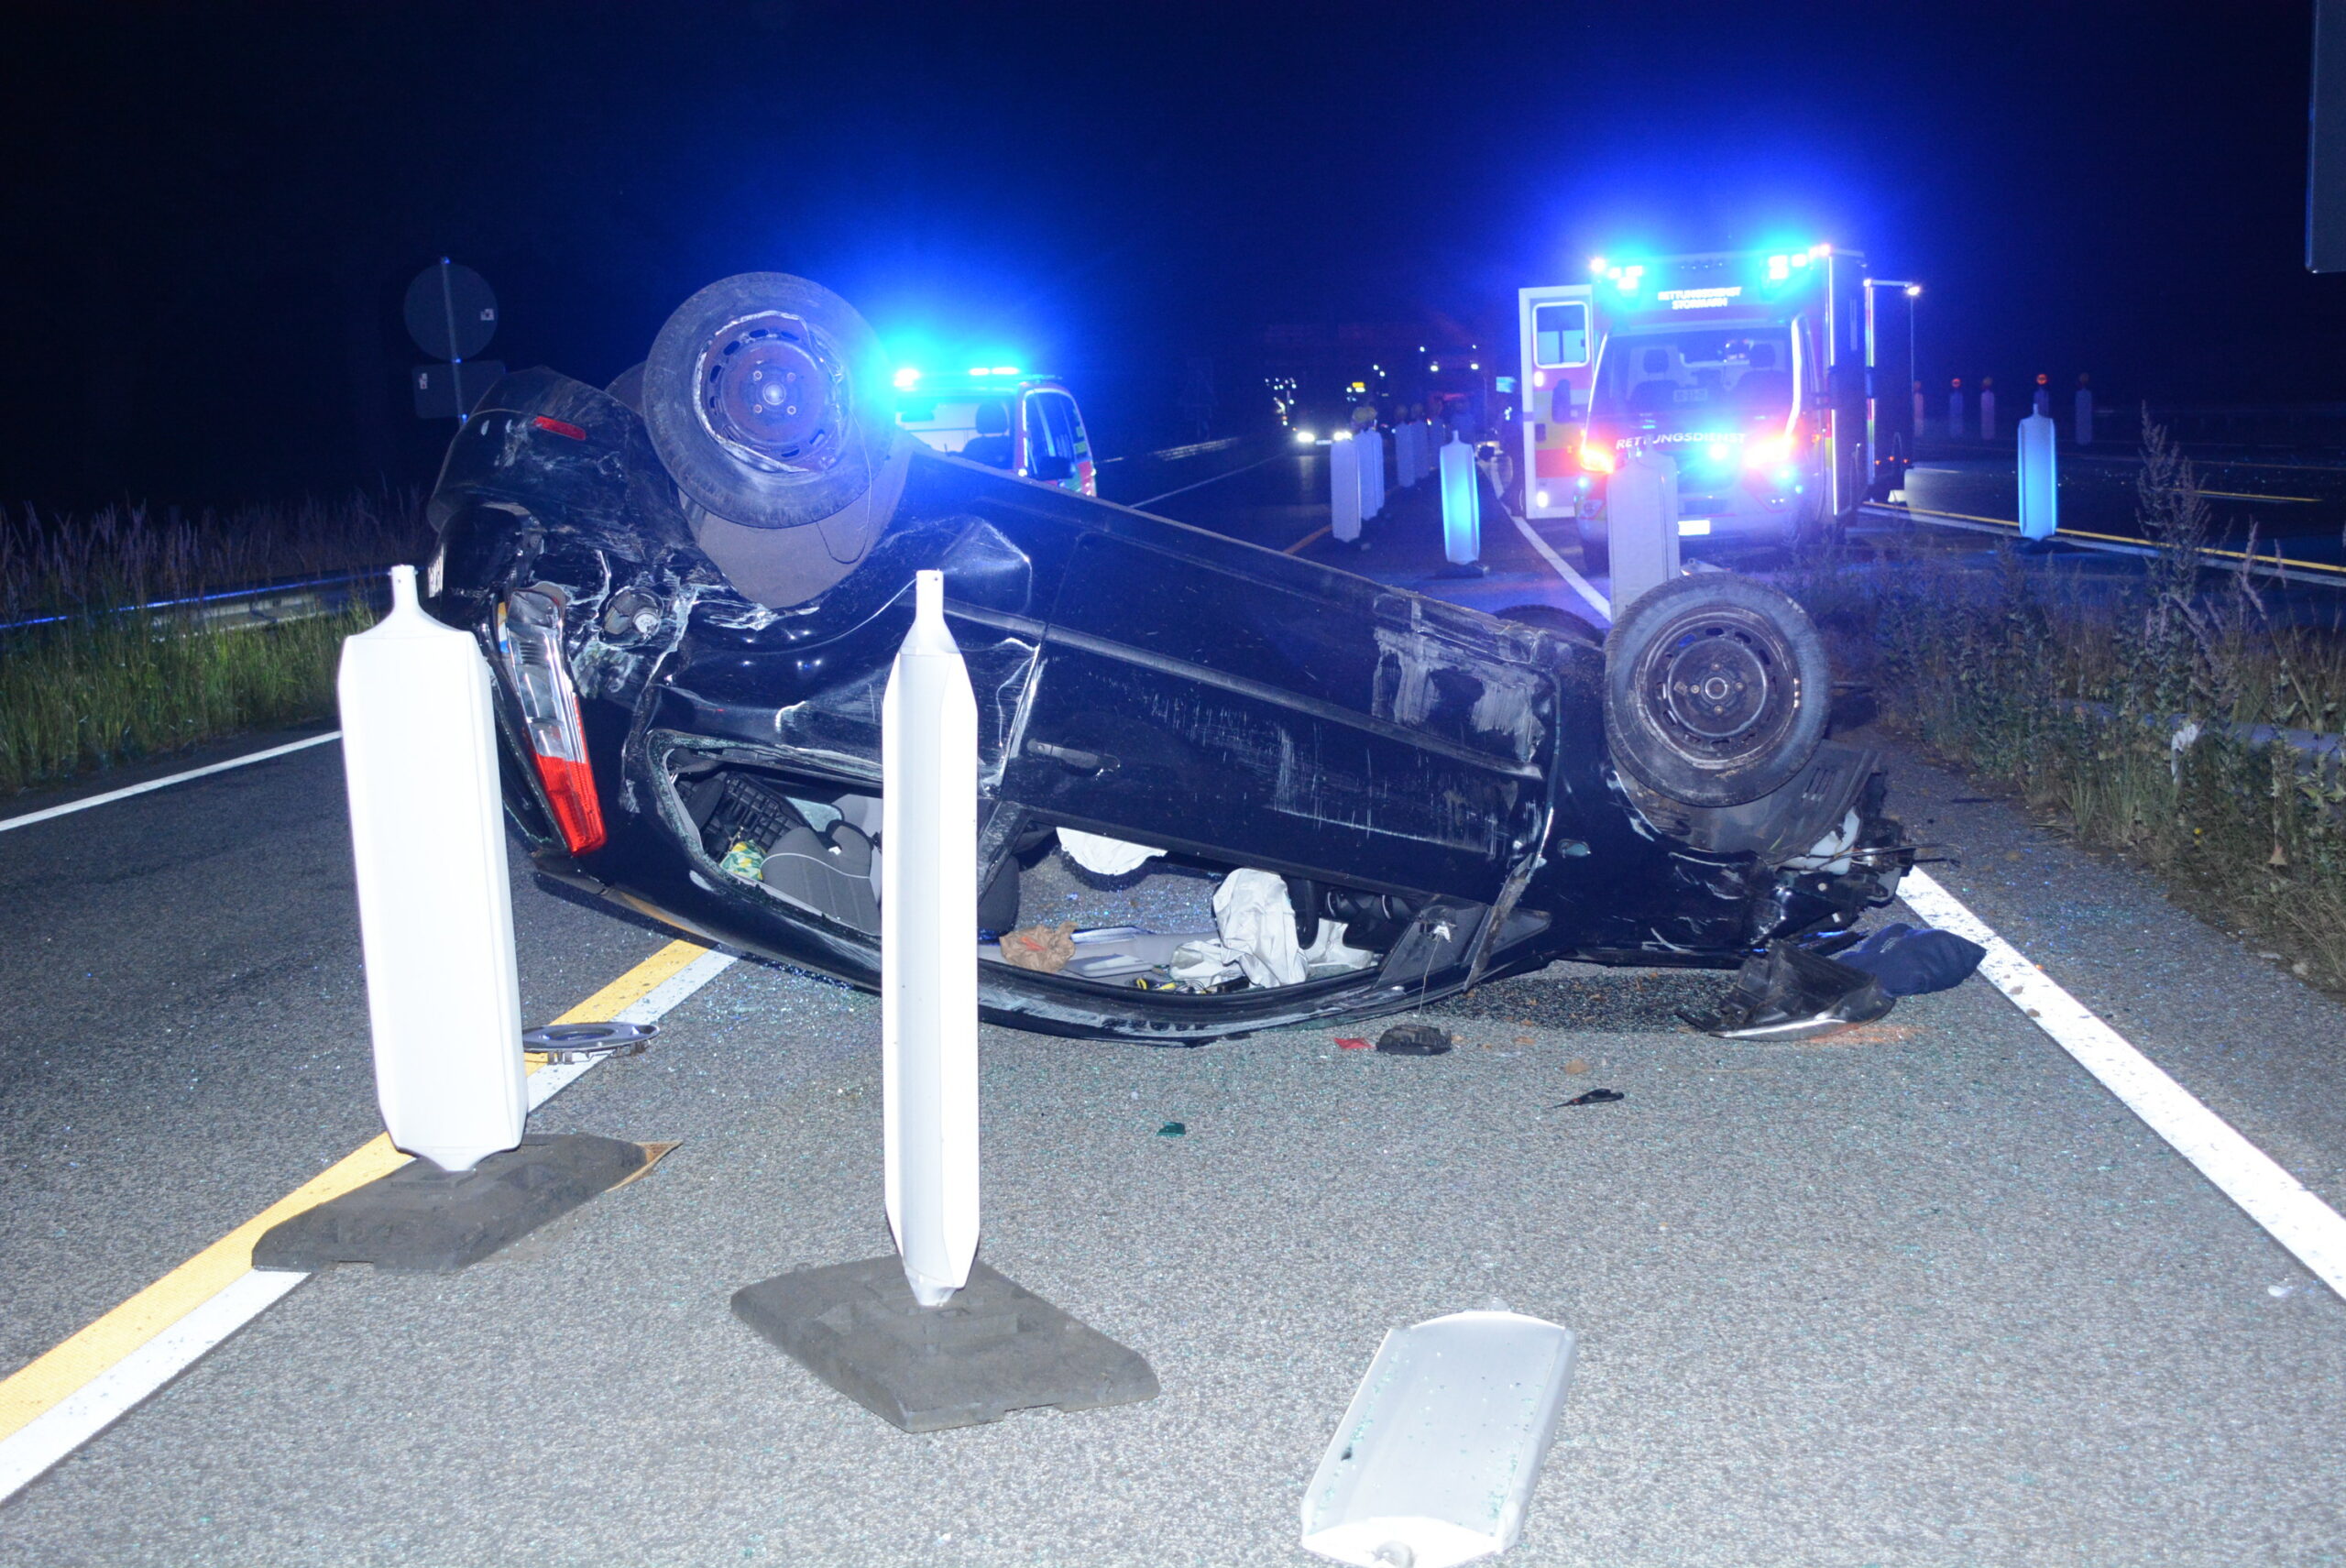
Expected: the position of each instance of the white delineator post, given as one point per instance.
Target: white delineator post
(1462, 506)
(435, 915)
(1987, 412)
(1641, 524)
(928, 951)
(2085, 412)
(1344, 488)
(2039, 478)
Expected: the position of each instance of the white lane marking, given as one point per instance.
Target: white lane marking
(1578, 584)
(113, 1394)
(29, 818)
(99, 1403)
(1217, 479)
(2293, 1216)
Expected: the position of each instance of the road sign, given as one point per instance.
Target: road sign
(450, 311)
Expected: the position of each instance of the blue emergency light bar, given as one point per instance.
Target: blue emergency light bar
(1707, 285)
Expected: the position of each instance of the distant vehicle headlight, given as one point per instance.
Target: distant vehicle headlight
(1304, 437)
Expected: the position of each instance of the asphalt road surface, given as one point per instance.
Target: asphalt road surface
(1921, 1293)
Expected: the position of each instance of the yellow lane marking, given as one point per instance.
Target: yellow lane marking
(2142, 544)
(1297, 548)
(2244, 495)
(63, 1370)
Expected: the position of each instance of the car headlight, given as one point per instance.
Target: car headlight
(1304, 437)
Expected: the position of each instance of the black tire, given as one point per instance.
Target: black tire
(1716, 690)
(767, 399)
(998, 899)
(1547, 618)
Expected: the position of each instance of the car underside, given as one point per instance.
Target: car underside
(691, 588)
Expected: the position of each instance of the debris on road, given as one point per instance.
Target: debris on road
(1414, 1040)
(1350, 1043)
(1914, 961)
(1576, 1067)
(1436, 1458)
(1789, 993)
(1047, 949)
(1594, 1097)
(1174, 1129)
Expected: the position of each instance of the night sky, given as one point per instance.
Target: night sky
(212, 211)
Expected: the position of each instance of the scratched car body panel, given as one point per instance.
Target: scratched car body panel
(1435, 779)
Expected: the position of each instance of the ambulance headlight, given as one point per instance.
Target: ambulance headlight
(1772, 453)
(1540, 497)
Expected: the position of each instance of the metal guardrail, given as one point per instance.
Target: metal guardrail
(230, 609)
(2273, 565)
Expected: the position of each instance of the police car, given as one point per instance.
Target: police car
(1002, 417)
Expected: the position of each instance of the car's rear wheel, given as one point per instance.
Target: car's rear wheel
(767, 399)
(1717, 689)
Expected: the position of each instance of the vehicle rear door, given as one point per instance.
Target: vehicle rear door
(1055, 452)
(1559, 336)
(1202, 694)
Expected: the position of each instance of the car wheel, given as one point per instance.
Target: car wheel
(1717, 689)
(767, 399)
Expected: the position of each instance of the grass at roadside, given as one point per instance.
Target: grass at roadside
(2150, 718)
(102, 686)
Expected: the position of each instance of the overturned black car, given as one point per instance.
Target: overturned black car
(691, 585)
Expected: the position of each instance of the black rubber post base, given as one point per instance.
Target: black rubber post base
(1470, 569)
(994, 1348)
(423, 1219)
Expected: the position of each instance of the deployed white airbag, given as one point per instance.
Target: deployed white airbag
(1103, 855)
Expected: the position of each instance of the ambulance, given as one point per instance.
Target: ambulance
(1002, 416)
(1750, 369)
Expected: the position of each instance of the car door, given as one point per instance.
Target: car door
(1202, 694)
(1559, 341)
(1054, 453)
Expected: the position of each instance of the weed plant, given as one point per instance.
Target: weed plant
(99, 681)
(2168, 715)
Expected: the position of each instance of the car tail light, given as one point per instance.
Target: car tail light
(528, 636)
(1596, 456)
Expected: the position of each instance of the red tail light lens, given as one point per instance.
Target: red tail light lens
(529, 636)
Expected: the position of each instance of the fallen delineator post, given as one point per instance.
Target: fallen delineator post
(928, 1338)
(1436, 1458)
(435, 919)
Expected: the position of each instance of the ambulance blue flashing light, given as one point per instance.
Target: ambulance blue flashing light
(1625, 279)
(994, 369)
(907, 377)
